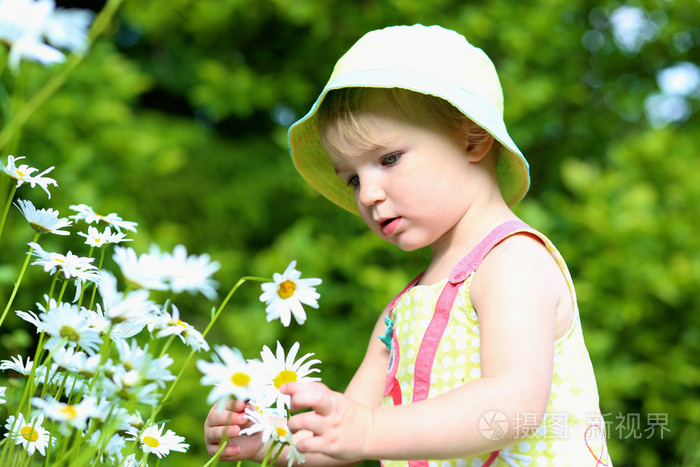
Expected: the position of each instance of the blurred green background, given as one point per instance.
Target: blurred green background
(177, 120)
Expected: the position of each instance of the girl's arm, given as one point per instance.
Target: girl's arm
(516, 292)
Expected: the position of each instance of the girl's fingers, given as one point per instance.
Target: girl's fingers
(228, 454)
(232, 413)
(310, 395)
(213, 435)
(306, 421)
(311, 444)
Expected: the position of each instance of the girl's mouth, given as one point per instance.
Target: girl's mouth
(389, 225)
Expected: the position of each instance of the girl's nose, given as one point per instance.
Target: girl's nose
(370, 192)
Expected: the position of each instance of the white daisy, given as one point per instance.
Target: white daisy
(118, 331)
(124, 330)
(144, 272)
(128, 385)
(30, 434)
(87, 214)
(69, 415)
(71, 266)
(153, 369)
(43, 220)
(69, 359)
(231, 375)
(264, 421)
(92, 364)
(112, 452)
(24, 24)
(190, 273)
(110, 412)
(154, 441)
(16, 364)
(98, 239)
(134, 306)
(66, 325)
(68, 28)
(130, 461)
(285, 370)
(294, 455)
(30, 317)
(172, 324)
(2, 394)
(284, 297)
(23, 174)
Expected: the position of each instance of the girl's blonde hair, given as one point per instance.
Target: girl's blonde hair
(340, 124)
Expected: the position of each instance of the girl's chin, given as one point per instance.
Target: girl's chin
(404, 244)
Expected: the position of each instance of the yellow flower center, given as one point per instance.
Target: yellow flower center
(281, 432)
(240, 379)
(286, 289)
(69, 411)
(284, 376)
(68, 332)
(21, 174)
(29, 433)
(151, 441)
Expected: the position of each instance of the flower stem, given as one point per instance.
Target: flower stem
(215, 458)
(19, 280)
(10, 196)
(228, 297)
(166, 345)
(267, 455)
(277, 454)
(94, 287)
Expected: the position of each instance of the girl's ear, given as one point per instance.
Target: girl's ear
(477, 151)
(477, 144)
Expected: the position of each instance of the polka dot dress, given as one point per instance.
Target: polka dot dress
(572, 432)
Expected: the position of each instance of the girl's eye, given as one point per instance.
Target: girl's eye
(354, 181)
(391, 159)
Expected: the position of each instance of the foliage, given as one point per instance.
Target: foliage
(180, 122)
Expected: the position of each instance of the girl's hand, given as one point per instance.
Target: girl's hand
(336, 426)
(227, 422)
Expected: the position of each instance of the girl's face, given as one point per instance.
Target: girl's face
(413, 186)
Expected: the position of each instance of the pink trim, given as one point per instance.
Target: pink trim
(492, 459)
(418, 463)
(391, 385)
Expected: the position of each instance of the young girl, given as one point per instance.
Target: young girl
(481, 359)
